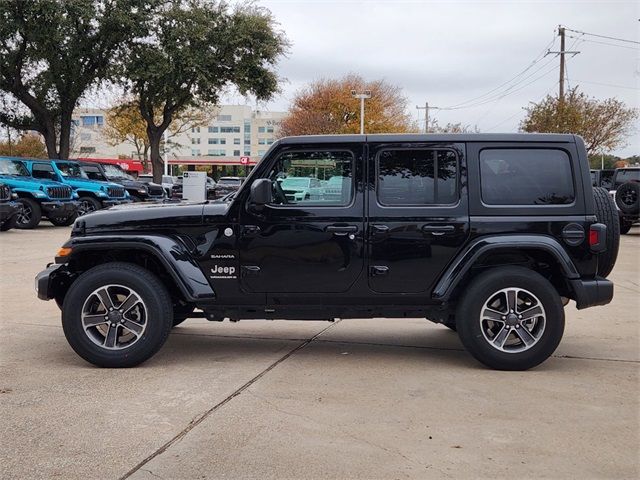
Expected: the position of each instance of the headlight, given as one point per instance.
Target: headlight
(142, 190)
(102, 194)
(14, 195)
(39, 194)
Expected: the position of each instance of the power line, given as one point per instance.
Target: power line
(602, 36)
(536, 59)
(608, 85)
(603, 43)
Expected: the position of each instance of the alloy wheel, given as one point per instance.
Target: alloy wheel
(512, 320)
(114, 317)
(24, 217)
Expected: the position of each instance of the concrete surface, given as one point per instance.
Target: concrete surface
(383, 398)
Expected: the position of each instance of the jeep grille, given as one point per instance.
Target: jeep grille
(116, 192)
(59, 192)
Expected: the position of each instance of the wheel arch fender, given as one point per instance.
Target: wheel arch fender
(25, 193)
(173, 256)
(481, 247)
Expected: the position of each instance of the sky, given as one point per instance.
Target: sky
(450, 52)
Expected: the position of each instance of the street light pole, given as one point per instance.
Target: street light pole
(362, 96)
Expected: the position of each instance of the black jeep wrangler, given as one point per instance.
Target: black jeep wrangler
(490, 235)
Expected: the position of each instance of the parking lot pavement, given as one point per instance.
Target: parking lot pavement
(383, 398)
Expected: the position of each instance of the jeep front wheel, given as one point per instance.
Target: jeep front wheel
(87, 205)
(117, 315)
(30, 215)
(510, 318)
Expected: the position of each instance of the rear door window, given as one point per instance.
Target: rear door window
(526, 177)
(417, 177)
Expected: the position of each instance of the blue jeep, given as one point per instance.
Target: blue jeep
(39, 197)
(92, 194)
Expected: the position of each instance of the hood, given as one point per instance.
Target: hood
(151, 216)
(85, 182)
(29, 183)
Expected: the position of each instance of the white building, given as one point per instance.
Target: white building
(233, 133)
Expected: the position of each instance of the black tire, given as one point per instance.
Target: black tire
(63, 221)
(628, 198)
(31, 214)
(606, 213)
(157, 311)
(135, 198)
(487, 286)
(625, 226)
(9, 224)
(88, 205)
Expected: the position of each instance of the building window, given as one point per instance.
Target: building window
(269, 141)
(236, 141)
(247, 141)
(229, 129)
(87, 149)
(91, 120)
(223, 141)
(213, 141)
(247, 153)
(195, 152)
(213, 129)
(261, 129)
(224, 118)
(219, 152)
(261, 152)
(236, 153)
(195, 129)
(269, 129)
(195, 141)
(262, 141)
(247, 126)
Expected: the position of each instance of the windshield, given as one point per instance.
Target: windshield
(13, 167)
(72, 170)
(114, 172)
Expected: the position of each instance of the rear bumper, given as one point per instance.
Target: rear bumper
(590, 293)
(59, 209)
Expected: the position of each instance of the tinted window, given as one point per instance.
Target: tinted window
(417, 177)
(526, 177)
(313, 178)
(92, 172)
(43, 170)
(627, 175)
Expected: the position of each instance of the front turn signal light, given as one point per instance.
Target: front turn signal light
(63, 252)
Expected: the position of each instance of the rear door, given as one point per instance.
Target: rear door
(418, 214)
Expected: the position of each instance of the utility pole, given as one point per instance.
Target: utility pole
(562, 53)
(426, 114)
(362, 96)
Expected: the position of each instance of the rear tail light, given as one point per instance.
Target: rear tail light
(598, 237)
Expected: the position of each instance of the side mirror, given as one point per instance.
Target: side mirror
(261, 192)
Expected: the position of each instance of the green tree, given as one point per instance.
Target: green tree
(52, 52)
(29, 145)
(194, 51)
(603, 124)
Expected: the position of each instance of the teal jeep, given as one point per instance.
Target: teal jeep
(92, 194)
(39, 197)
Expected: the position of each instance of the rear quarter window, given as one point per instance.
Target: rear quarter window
(526, 177)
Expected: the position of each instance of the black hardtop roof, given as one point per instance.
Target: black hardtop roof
(436, 138)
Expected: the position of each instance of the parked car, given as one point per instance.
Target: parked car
(490, 235)
(9, 208)
(227, 185)
(167, 182)
(626, 194)
(38, 197)
(603, 178)
(92, 194)
(299, 188)
(139, 190)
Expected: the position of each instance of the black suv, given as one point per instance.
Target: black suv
(139, 191)
(626, 193)
(490, 235)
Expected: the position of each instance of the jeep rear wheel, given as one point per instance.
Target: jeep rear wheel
(30, 215)
(117, 315)
(510, 318)
(628, 198)
(606, 213)
(88, 205)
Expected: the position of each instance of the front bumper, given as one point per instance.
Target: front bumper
(590, 293)
(8, 210)
(49, 280)
(59, 209)
(111, 203)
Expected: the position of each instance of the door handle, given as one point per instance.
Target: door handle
(438, 229)
(379, 229)
(341, 230)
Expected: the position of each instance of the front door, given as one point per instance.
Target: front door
(418, 217)
(309, 240)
